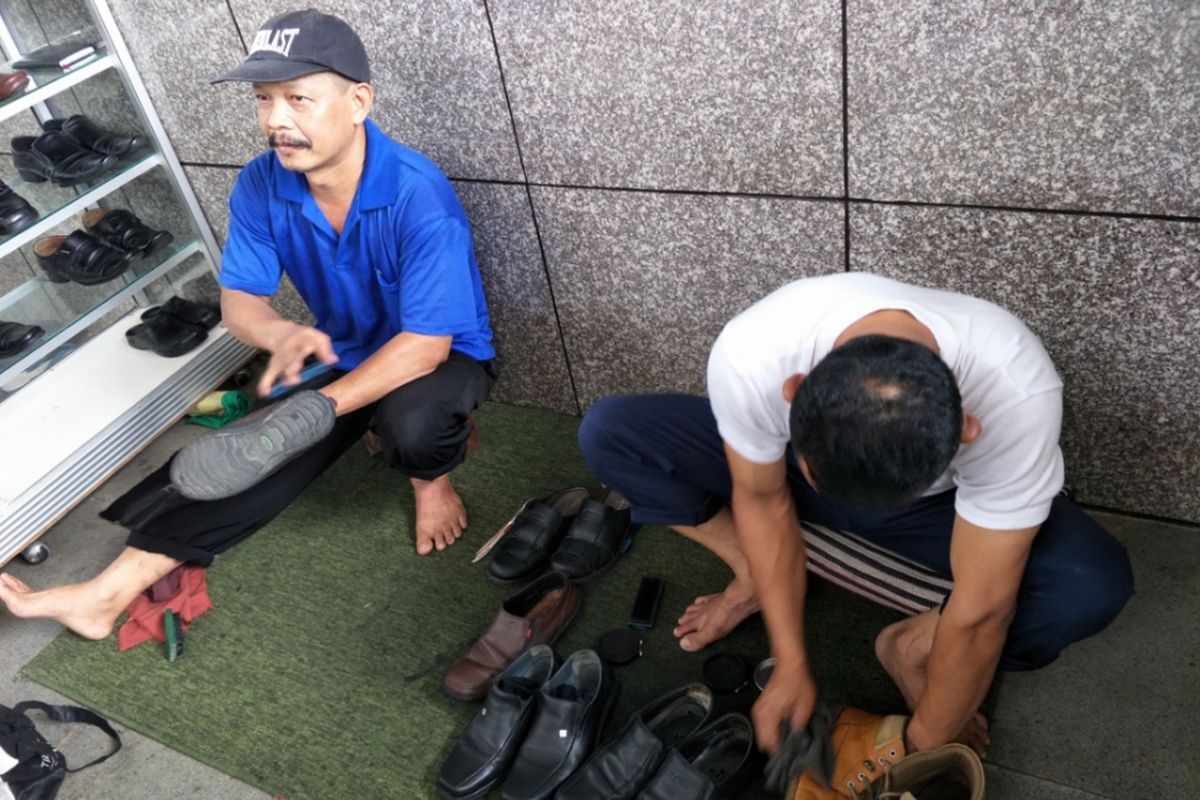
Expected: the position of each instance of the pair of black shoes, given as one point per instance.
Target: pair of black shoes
(176, 327)
(16, 213)
(539, 722)
(15, 338)
(71, 151)
(114, 238)
(569, 532)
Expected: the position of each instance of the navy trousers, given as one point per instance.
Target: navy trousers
(665, 454)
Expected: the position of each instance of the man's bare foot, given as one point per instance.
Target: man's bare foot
(975, 734)
(79, 606)
(903, 650)
(713, 616)
(441, 515)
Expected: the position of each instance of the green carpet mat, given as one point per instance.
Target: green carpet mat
(316, 675)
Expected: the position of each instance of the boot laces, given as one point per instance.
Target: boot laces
(874, 790)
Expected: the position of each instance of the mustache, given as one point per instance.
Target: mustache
(275, 140)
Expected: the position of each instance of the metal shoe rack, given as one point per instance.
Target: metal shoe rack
(81, 402)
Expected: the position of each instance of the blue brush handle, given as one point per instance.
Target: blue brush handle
(306, 375)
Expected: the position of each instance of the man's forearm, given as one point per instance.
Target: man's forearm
(962, 663)
(251, 319)
(402, 360)
(769, 535)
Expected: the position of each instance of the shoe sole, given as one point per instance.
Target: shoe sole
(224, 463)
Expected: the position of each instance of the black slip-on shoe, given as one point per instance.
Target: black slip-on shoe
(80, 257)
(122, 229)
(55, 157)
(166, 336)
(714, 764)
(484, 752)
(593, 541)
(90, 135)
(16, 213)
(572, 708)
(525, 550)
(229, 461)
(15, 338)
(627, 761)
(204, 315)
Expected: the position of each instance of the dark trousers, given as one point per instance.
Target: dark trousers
(664, 453)
(423, 428)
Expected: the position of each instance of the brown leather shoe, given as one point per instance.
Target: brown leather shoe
(11, 83)
(535, 615)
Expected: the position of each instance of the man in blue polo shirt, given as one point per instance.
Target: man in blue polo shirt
(377, 244)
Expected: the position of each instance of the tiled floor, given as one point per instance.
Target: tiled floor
(1113, 718)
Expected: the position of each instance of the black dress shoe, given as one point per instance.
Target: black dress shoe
(627, 761)
(80, 257)
(525, 550)
(166, 336)
(484, 752)
(571, 711)
(717, 762)
(15, 211)
(122, 229)
(594, 539)
(15, 337)
(203, 315)
(93, 137)
(55, 157)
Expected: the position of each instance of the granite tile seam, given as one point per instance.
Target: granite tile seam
(845, 139)
(1183, 523)
(236, 27)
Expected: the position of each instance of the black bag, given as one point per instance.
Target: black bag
(30, 769)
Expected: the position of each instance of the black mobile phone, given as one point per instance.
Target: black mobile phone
(645, 605)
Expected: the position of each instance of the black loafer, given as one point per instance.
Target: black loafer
(484, 752)
(572, 708)
(93, 137)
(717, 762)
(627, 761)
(15, 337)
(15, 211)
(166, 336)
(525, 550)
(55, 157)
(594, 538)
(80, 257)
(122, 229)
(200, 314)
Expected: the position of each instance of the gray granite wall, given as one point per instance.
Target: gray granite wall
(638, 172)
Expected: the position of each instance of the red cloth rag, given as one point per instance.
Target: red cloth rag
(146, 614)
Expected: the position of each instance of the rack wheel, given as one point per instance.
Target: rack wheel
(36, 553)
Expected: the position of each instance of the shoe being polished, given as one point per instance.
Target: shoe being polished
(627, 761)
(55, 157)
(80, 257)
(15, 338)
(484, 752)
(949, 772)
(15, 211)
(229, 461)
(593, 541)
(865, 746)
(525, 549)
(122, 229)
(535, 615)
(717, 762)
(88, 134)
(572, 708)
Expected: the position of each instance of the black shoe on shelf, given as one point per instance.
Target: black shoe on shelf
(90, 135)
(204, 315)
(122, 229)
(80, 257)
(166, 336)
(55, 157)
(15, 338)
(16, 213)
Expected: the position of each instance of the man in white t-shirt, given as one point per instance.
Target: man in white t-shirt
(915, 432)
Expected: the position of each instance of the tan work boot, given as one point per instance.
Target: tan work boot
(865, 747)
(949, 772)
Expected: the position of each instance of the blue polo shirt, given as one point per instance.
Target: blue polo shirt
(404, 262)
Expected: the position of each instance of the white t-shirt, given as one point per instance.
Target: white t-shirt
(1006, 478)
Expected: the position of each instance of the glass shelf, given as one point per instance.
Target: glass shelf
(57, 203)
(62, 309)
(46, 83)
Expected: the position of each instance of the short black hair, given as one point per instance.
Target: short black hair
(877, 421)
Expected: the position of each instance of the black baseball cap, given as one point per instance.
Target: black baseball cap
(300, 43)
